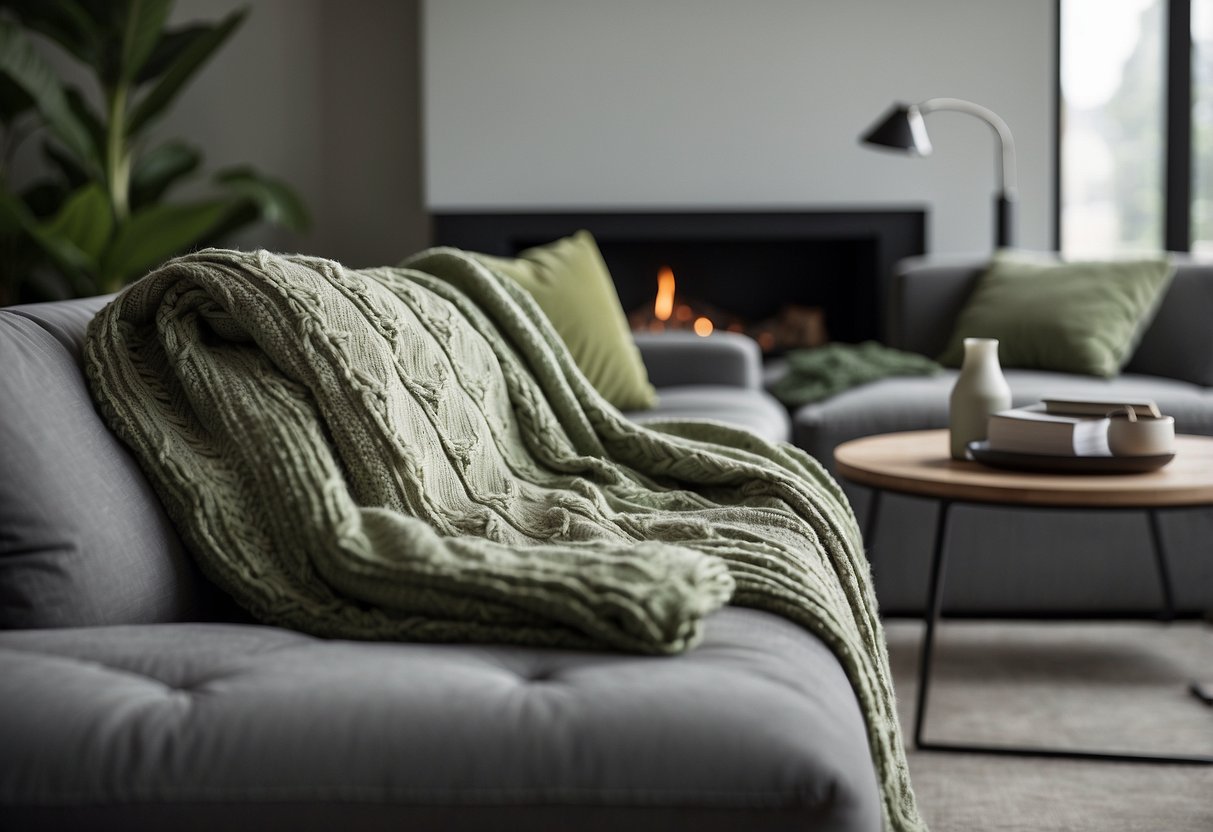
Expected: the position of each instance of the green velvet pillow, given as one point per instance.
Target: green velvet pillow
(1073, 317)
(571, 283)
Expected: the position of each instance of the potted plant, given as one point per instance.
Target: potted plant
(100, 216)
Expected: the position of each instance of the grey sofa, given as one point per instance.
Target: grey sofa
(133, 697)
(1015, 561)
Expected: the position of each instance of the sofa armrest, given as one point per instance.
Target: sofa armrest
(681, 358)
(1178, 343)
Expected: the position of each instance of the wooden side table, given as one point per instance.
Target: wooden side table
(918, 463)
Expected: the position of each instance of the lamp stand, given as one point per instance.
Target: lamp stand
(1004, 219)
(902, 128)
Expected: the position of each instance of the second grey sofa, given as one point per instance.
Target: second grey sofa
(1018, 561)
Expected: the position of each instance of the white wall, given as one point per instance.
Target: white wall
(724, 103)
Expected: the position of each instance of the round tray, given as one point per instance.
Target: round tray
(1047, 463)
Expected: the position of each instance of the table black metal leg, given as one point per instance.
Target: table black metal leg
(934, 613)
(1204, 690)
(1201, 690)
(934, 609)
(1164, 571)
(869, 523)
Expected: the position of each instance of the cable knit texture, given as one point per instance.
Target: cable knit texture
(411, 453)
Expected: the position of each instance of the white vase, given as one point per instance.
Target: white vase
(980, 390)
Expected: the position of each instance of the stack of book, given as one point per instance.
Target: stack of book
(1059, 427)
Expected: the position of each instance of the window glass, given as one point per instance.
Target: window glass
(1112, 138)
(1202, 127)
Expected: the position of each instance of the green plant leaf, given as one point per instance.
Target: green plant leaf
(13, 214)
(141, 30)
(44, 198)
(19, 257)
(68, 166)
(13, 100)
(189, 60)
(29, 71)
(104, 14)
(77, 171)
(84, 113)
(85, 221)
(274, 200)
(158, 169)
(172, 42)
(63, 21)
(73, 263)
(154, 234)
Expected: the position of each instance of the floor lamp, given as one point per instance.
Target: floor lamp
(903, 128)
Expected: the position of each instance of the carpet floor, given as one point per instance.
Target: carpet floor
(1108, 686)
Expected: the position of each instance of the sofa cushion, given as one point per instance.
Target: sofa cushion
(571, 283)
(83, 539)
(897, 404)
(1075, 317)
(744, 407)
(758, 726)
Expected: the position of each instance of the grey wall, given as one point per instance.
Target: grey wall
(258, 102)
(723, 103)
(371, 87)
(324, 94)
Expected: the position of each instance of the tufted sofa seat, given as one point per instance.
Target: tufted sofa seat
(116, 724)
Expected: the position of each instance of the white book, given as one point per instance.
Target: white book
(1032, 430)
(1099, 407)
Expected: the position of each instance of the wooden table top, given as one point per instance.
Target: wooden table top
(918, 462)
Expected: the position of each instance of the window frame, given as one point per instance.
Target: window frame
(1177, 128)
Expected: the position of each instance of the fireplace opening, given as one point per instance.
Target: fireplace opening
(792, 327)
(787, 278)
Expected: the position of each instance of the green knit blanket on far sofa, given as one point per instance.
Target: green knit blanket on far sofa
(411, 453)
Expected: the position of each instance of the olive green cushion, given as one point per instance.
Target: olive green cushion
(572, 285)
(1074, 317)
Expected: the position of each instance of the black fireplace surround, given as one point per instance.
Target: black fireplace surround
(750, 263)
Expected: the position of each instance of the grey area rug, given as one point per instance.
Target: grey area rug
(1108, 686)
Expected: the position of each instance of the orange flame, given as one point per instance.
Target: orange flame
(703, 327)
(663, 306)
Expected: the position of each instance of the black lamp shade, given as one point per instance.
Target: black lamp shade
(901, 128)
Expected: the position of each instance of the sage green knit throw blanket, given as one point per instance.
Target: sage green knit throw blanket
(411, 453)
